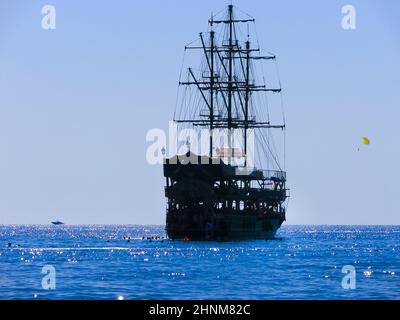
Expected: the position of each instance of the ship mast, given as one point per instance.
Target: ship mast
(230, 77)
(230, 88)
(247, 96)
(212, 34)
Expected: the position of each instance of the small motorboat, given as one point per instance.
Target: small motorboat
(57, 223)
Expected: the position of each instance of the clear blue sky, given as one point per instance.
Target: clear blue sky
(76, 103)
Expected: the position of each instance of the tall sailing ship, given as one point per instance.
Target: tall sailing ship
(236, 190)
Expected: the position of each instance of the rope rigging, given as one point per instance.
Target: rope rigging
(240, 99)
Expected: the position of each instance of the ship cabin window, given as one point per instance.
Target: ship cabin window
(241, 205)
(234, 204)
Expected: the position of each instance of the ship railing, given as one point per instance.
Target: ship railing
(274, 175)
(256, 174)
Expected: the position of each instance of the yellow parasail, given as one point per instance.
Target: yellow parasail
(366, 141)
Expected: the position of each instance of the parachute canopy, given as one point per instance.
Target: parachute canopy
(366, 141)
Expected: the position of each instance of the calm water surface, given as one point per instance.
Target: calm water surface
(95, 262)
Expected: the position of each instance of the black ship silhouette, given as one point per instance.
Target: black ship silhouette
(212, 197)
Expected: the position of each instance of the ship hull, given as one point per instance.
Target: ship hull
(228, 227)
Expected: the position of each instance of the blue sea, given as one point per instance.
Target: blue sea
(96, 262)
